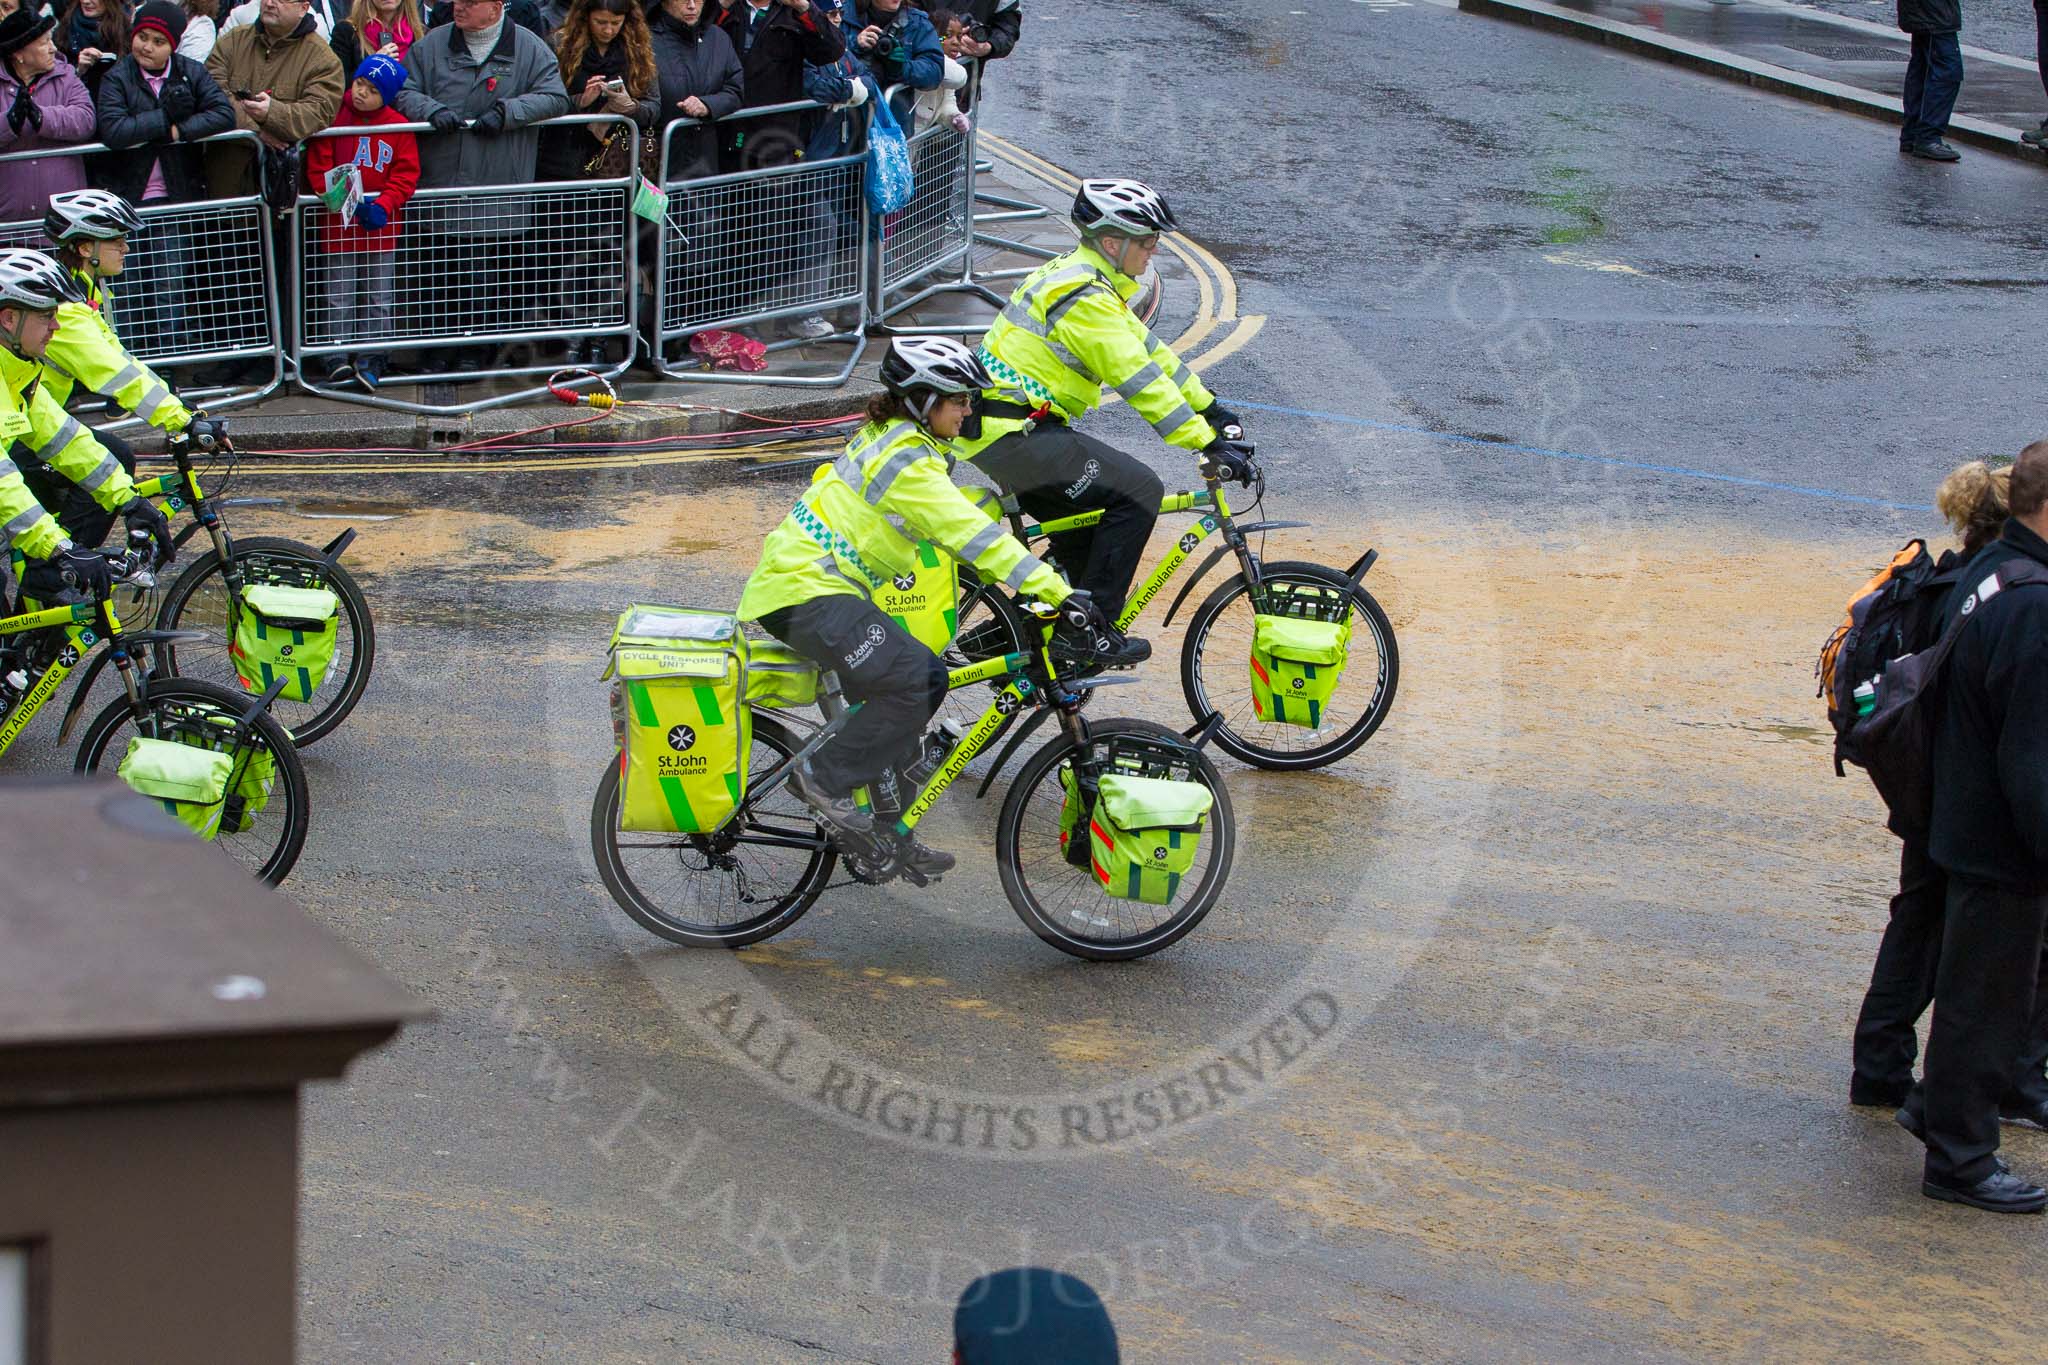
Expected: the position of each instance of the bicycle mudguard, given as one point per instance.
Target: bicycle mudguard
(1200, 733)
(332, 551)
(1362, 565)
(1215, 555)
(1247, 528)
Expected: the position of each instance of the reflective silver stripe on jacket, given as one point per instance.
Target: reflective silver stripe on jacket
(123, 377)
(23, 523)
(1027, 566)
(982, 541)
(1021, 319)
(1141, 381)
(1175, 420)
(912, 452)
(64, 436)
(7, 467)
(154, 400)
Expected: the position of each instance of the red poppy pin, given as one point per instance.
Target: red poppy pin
(491, 83)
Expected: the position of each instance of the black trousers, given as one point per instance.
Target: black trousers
(1985, 1013)
(1902, 986)
(898, 682)
(84, 520)
(1056, 471)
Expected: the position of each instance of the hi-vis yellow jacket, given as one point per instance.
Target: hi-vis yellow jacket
(86, 351)
(858, 524)
(28, 414)
(1066, 333)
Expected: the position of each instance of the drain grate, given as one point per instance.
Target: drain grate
(1849, 52)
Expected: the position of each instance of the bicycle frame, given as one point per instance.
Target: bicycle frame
(80, 624)
(1214, 506)
(180, 490)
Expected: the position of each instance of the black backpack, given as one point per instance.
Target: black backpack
(1894, 741)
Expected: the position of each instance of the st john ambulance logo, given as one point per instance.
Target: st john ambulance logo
(681, 738)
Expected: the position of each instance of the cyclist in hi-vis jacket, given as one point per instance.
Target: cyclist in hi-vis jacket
(90, 230)
(31, 288)
(855, 528)
(1066, 333)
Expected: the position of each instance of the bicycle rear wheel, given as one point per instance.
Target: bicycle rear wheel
(1215, 675)
(748, 881)
(198, 600)
(266, 842)
(1062, 903)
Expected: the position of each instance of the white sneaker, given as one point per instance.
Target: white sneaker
(811, 328)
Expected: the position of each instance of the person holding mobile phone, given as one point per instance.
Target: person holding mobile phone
(94, 35)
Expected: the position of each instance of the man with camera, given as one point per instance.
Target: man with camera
(901, 48)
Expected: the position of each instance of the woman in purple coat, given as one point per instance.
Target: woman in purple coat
(43, 104)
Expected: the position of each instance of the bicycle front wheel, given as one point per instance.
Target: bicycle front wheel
(266, 839)
(198, 601)
(1215, 675)
(1063, 903)
(749, 881)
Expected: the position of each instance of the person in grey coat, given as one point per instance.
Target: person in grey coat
(483, 83)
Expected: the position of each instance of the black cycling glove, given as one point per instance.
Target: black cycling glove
(445, 120)
(1230, 460)
(140, 514)
(85, 570)
(1220, 417)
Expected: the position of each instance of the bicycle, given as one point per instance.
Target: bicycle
(760, 871)
(1215, 678)
(204, 599)
(264, 836)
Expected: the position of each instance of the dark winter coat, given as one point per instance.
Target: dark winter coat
(1931, 16)
(838, 132)
(132, 121)
(68, 118)
(774, 71)
(520, 73)
(915, 60)
(694, 60)
(1002, 22)
(564, 152)
(1991, 742)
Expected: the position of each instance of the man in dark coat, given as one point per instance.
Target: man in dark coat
(775, 39)
(1990, 835)
(1934, 76)
(2039, 136)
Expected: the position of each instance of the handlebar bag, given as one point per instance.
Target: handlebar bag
(925, 601)
(1143, 834)
(1298, 653)
(187, 780)
(284, 632)
(779, 676)
(679, 711)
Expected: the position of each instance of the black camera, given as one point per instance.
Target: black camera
(885, 45)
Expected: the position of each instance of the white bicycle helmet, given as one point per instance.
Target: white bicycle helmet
(921, 370)
(1130, 207)
(93, 214)
(31, 281)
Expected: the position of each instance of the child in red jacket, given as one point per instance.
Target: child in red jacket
(360, 255)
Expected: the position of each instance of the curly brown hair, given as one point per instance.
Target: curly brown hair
(887, 407)
(573, 39)
(1976, 500)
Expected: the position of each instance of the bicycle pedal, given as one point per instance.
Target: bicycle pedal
(914, 877)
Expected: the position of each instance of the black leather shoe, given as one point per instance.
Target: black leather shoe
(1936, 150)
(2025, 1115)
(1999, 1192)
(839, 814)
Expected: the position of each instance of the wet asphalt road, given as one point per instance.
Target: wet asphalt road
(1522, 1034)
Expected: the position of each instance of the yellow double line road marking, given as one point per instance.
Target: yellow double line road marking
(1215, 306)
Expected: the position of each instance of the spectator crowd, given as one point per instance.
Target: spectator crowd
(320, 84)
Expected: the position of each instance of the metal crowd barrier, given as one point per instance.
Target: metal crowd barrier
(754, 247)
(196, 287)
(477, 269)
(935, 230)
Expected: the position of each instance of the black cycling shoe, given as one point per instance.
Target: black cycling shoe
(839, 814)
(925, 864)
(1091, 653)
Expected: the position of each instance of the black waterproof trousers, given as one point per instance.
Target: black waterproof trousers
(898, 682)
(1985, 1014)
(1056, 471)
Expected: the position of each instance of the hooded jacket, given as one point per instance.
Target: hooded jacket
(390, 167)
(302, 77)
(132, 121)
(29, 415)
(86, 352)
(68, 117)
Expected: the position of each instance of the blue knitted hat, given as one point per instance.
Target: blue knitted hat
(388, 76)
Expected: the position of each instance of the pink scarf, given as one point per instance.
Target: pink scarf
(374, 35)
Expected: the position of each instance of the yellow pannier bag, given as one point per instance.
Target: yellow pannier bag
(779, 676)
(679, 708)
